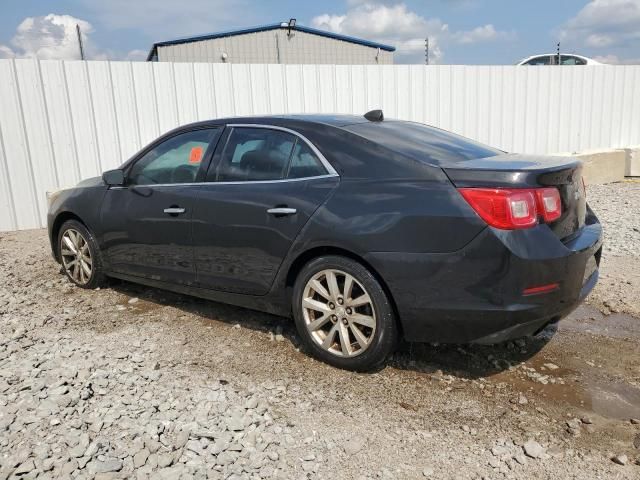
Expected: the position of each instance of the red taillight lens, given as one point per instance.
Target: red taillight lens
(510, 209)
(549, 205)
(502, 208)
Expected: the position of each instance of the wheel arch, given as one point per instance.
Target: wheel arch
(305, 257)
(55, 229)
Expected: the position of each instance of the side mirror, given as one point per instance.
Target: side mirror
(113, 177)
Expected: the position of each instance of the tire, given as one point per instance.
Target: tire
(75, 232)
(319, 288)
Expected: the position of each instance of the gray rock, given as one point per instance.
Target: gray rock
(25, 467)
(620, 459)
(69, 467)
(533, 449)
(181, 439)
(165, 460)
(108, 465)
(354, 445)
(140, 458)
(225, 458)
(520, 458)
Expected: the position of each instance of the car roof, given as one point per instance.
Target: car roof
(334, 120)
(555, 54)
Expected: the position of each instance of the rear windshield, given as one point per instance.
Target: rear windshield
(423, 143)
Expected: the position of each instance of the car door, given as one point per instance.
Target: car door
(262, 187)
(147, 222)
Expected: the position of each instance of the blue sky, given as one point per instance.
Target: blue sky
(460, 31)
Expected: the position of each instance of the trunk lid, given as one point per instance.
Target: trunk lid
(530, 171)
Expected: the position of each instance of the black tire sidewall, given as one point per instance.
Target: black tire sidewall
(97, 274)
(385, 337)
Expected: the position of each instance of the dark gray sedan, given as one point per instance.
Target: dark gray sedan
(362, 229)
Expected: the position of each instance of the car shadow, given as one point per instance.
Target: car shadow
(466, 361)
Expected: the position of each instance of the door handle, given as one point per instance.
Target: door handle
(174, 210)
(282, 211)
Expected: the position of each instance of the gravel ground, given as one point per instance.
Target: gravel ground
(131, 382)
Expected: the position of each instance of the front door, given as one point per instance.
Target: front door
(262, 188)
(147, 222)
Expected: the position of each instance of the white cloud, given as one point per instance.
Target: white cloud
(604, 23)
(485, 33)
(396, 25)
(136, 55)
(49, 37)
(54, 37)
(615, 60)
(6, 52)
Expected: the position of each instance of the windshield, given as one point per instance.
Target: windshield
(422, 142)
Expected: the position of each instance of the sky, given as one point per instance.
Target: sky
(459, 31)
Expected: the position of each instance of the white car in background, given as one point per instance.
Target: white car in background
(552, 59)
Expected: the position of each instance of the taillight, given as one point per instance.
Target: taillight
(549, 204)
(510, 209)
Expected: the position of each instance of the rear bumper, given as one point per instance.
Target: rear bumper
(475, 295)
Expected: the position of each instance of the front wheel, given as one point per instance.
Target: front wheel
(343, 314)
(80, 255)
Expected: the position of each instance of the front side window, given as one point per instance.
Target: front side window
(175, 160)
(259, 154)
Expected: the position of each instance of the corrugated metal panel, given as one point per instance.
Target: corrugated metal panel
(64, 121)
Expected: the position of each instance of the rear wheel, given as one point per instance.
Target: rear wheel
(343, 314)
(80, 255)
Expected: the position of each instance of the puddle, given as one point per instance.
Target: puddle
(615, 400)
(587, 319)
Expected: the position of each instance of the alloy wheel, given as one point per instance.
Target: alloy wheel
(76, 256)
(339, 313)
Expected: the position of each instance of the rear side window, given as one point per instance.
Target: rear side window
(423, 143)
(304, 162)
(175, 160)
(259, 154)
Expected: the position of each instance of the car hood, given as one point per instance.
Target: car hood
(90, 182)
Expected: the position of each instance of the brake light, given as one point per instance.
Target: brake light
(511, 209)
(549, 205)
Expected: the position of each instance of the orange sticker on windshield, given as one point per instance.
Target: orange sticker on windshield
(196, 155)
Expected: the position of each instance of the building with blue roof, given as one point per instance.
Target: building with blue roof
(284, 42)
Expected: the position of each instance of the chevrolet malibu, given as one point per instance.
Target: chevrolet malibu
(365, 230)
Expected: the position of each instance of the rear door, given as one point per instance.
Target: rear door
(147, 222)
(262, 187)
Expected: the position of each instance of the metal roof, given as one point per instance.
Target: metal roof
(262, 28)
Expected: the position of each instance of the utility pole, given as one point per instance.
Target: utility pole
(426, 51)
(80, 41)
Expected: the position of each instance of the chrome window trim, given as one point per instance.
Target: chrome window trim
(331, 172)
(249, 182)
(323, 160)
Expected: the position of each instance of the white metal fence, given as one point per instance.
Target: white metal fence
(64, 121)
